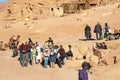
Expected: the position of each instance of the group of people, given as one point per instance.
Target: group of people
(33, 53)
(100, 33)
(101, 45)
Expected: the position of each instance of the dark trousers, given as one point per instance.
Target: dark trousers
(98, 36)
(25, 59)
(21, 57)
(88, 37)
(62, 57)
(15, 53)
(105, 34)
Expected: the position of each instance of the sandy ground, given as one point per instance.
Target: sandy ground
(64, 30)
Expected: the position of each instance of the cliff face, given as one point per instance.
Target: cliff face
(34, 9)
(30, 9)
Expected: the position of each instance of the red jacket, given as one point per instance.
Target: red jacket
(25, 49)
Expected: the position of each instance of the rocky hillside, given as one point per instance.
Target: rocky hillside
(34, 9)
(23, 17)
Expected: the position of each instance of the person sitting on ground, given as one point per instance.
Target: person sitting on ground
(104, 46)
(98, 45)
(109, 30)
(101, 45)
(70, 52)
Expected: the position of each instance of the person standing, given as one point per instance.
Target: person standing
(88, 32)
(25, 55)
(53, 57)
(34, 53)
(39, 54)
(30, 53)
(82, 73)
(106, 30)
(14, 49)
(21, 53)
(46, 57)
(98, 31)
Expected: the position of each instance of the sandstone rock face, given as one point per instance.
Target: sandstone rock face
(20, 10)
(36, 9)
(94, 61)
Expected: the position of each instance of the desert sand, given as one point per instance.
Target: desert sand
(64, 30)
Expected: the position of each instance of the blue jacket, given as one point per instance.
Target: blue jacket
(82, 75)
(53, 57)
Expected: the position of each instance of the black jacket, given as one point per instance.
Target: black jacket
(98, 28)
(87, 31)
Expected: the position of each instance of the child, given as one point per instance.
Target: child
(46, 57)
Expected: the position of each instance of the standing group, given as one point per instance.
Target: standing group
(33, 53)
(98, 31)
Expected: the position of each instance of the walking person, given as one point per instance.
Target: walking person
(98, 31)
(88, 32)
